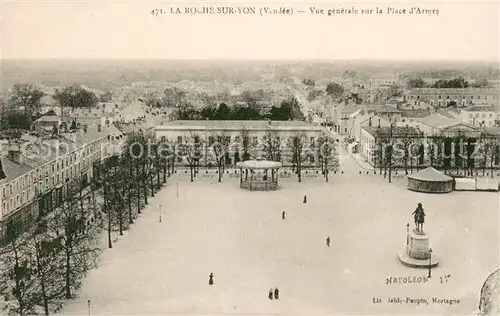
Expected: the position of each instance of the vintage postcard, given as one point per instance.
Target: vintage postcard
(249, 158)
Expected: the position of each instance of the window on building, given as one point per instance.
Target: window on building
(237, 139)
(470, 115)
(179, 139)
(163, 139)
(439, 97)
(255, 140)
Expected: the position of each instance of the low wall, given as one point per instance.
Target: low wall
(465, 184)
(487, 184)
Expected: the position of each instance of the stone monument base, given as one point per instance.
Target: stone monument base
(417, 252)
(418, 263)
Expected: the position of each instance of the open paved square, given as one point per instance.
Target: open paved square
(163, 268)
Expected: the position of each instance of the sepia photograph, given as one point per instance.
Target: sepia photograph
(249, 158)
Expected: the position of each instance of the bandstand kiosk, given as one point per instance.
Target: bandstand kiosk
(259, 174)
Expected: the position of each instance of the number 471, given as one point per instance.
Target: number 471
(156, 12)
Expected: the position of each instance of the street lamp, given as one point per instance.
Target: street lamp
(160, 212)
(88, 304)
(407, 234)
(430, 262)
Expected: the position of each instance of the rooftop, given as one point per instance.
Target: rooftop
(454, 90)
(415, 113)
(396, 131)
(479, 108)
(258, 164)
(437, 120)
(49, 118)
(13, 169)
(430, 175)
(237, 125)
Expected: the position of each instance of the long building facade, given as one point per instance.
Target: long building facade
(37, 172)
(234, 134)
(442, 97)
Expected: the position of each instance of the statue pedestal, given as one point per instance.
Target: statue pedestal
(417, 252)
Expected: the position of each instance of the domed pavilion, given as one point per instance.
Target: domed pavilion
(429, 180)
(259, 174)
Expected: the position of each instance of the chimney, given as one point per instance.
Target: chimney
(378, 123)
(370, 121)
(2, 172)
(14, 152)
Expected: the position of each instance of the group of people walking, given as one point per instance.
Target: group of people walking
(274, 293)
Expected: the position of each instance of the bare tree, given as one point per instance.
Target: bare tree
(327, 152)
(220, 150)
(245, 144)
(192, 149)
(77, 242)
(45, 256)
(16, 273)
(299, 152)
(272, 146)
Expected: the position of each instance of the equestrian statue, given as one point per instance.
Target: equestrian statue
(419, 217)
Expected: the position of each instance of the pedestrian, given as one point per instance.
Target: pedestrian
(328, 241)
(283, 215)
(270, 294)
(211, 279)
(276, 293)
(305, 199)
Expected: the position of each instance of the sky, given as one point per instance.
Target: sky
(128, 30)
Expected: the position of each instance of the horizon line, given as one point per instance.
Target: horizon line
(458, 60)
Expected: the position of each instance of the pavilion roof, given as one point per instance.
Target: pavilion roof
(431, 175)
(258, 164)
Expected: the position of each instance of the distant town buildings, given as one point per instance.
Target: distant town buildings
(442, 97)
(482, 116)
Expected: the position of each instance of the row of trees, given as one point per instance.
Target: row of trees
(45, 265)
(288, 109)
(458, 154)
(28, 98)
(218, 150)
(24, 104)
(459, 82)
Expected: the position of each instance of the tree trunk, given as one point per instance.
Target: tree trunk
(41, 277)
(68, 271)
(18, 295)
(191, 171)
(145, 185)
(110, 245)
(326, 173)
(299, 171)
